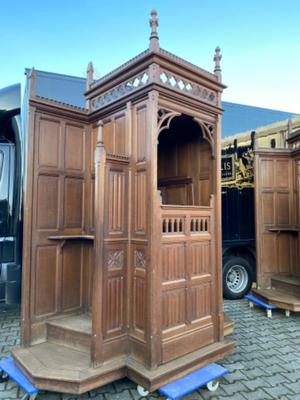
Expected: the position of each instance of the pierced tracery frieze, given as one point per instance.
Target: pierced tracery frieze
(120, 90)
(188, 87)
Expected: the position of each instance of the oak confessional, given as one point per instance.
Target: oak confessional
(122, 242)
(277, 202)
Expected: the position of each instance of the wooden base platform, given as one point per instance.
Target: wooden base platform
(54, 367)
(284, 293)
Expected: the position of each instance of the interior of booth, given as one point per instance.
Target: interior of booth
(184, 164)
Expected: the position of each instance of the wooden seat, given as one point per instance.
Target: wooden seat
(74, 331)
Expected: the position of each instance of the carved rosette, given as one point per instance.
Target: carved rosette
(139, 259)
(115, 259)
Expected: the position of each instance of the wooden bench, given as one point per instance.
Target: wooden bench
(10, 370)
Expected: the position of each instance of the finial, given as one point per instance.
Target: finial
(154, 43)
(89, 75)
(217, 60)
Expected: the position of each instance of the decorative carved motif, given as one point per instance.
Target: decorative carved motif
(192, 88)
(140, 261)
(164, 118)
(208, 133)
(115, 259)
(117, 157)
(121, 90)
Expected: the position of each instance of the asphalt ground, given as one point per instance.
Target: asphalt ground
(265, 365)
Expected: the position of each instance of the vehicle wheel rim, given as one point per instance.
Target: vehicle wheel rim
(237, 278)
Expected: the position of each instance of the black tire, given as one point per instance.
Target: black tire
(237, 277)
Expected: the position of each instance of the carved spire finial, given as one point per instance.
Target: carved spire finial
(89, 75)
(217, 60)
(154, 43)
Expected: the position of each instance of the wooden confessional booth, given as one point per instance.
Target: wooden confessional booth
(122, 243)
(277, 187)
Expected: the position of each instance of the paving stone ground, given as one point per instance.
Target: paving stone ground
(265, 365)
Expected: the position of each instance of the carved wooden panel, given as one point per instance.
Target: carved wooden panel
(116, 201)
(120, 135)
(283, 174)
(283, 208)
(74, 148)
(71, 276)
(200, 301)
(108, 136)
(139, 304)
(47, 202)
(173, 262)
(174, 308)
(115, 137)
(268, 256)
(114, 288)
(49, 143)
(46, 269)
(115, 304)
(138, 307)
(268, 208)
(200, 259)
(140, 213)
(266, 171)
(284, 248)
(141, 131)
(73, 203)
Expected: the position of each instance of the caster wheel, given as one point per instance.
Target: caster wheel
(28, 397)
(212, 386)
(141, 391)
(3, 377)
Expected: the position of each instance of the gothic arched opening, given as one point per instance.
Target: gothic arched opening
(184, 164)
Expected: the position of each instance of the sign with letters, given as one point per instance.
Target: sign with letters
(228, 168)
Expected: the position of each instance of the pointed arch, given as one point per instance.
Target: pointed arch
(208, 131)
(165, 118)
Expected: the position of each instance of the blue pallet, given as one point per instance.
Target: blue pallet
(8, 366)
(193, 381)
(259, 302)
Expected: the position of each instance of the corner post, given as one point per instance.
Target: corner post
(97, 303)
(153, 330)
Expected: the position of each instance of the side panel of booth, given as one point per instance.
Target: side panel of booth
(275, 216)
(124, 253)
(58, 270)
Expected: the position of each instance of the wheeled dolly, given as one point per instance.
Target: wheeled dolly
(208, 375)
(9, 370)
